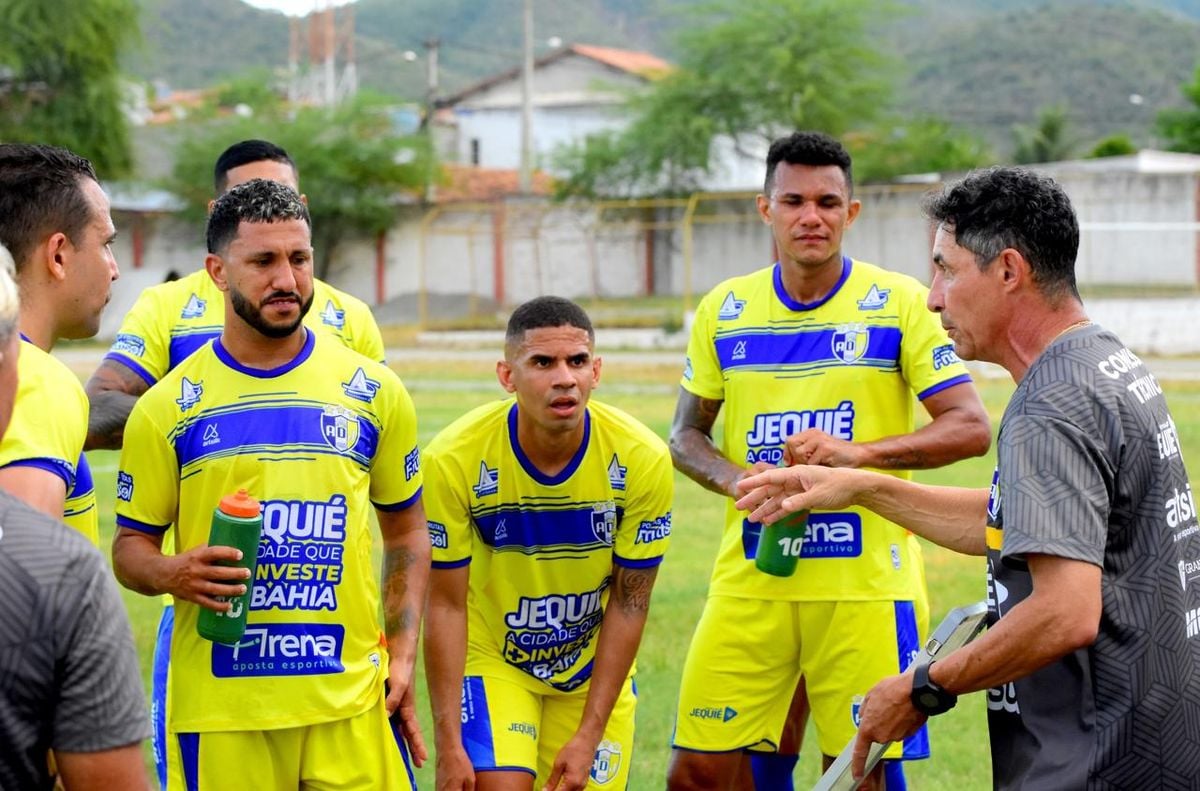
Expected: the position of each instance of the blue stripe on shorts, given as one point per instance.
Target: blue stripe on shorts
(908, 641)
(477, 724)
(158, 692)
(189, 753)
(402, 746)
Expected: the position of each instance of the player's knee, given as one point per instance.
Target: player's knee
(697, 771)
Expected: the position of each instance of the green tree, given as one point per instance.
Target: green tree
(1047, 140)
(1180, 128)
(748, 70)
(59, 79)
(918, 145)
(1113, 146)
(353, 165)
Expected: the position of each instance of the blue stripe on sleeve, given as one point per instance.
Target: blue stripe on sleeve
(133, 366)
(56, 466)
(141, 527)
(939, 387)
(400, 506)
(639, 563)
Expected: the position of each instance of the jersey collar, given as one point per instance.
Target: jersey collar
(528, 466)
(785, 298)
(305, 352)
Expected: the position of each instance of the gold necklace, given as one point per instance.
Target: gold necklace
(1076, 325)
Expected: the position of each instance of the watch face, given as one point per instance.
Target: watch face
(929, 700)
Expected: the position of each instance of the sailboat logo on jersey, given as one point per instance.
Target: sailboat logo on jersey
(332, 316)
(489, 481)
(361, 386)
(339, 427)
(875, 299)
(731, 308)
(850, 342)
(189, 394)
(194, 308)
(616, 474)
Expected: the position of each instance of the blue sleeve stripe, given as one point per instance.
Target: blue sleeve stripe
(451, 564)
(940, 386)
(639, 563)
(49, 465)
(141, 527)
(400, 506)
(131, 365)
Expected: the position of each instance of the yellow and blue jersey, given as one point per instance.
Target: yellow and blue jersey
(542, 547)
(849, 364)
(170, 321)
(48, 429)
(317, 440)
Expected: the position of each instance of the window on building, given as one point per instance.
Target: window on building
(474, 150)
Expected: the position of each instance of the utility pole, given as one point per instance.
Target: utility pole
(431, 88)
(525, 182)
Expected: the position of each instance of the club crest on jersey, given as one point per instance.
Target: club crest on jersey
(850, 342)
(489, 481)
(604, 521)
(339, 427)
(332, 316)
(731, 308)
(194, 308)
(361, 386)
(616, 473)
(607, 762)
(875, 299)
(189, 394)
(993, 504)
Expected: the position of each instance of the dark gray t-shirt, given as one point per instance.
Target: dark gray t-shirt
(69, 678)
(1089, 468)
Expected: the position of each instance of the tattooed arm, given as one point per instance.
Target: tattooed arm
(692, 448)
(406, 553)
(112, 391)
(616, 645)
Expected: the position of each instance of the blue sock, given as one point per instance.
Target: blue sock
(772, 771)
(893, 776)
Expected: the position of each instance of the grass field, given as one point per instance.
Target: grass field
(443, 390)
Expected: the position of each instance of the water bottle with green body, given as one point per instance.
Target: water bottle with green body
(237, 522)
(780, 544)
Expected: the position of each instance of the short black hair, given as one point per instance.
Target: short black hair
(244, 153)
(41, 193)
(257, 200)
(807, 148)
(542, 312)
(1001, 207)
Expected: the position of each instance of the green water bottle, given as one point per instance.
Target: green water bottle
(780, 544)
(237, 522)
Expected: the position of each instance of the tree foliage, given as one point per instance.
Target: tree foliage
(748, 70)
(1113, 146)
(1047, 140)
(918, 145)
(1181, 127)
(59, 79)
(354, 166)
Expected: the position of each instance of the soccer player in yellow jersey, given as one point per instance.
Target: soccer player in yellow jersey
(549, 514)
(815, 359)
(169, 322)
(54, 218)
(320, 434)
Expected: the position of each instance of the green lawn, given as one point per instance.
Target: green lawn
(444, 390)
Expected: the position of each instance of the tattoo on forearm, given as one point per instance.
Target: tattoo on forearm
(398, 615)
(632, 588)
(692, 448)
(107, 415)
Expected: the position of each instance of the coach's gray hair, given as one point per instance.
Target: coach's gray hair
(9, 303)
(257, 201)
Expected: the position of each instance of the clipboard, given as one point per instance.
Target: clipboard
(960, 626)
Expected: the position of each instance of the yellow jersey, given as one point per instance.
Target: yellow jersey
(318, 441)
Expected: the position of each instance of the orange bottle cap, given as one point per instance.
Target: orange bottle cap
(240, 504)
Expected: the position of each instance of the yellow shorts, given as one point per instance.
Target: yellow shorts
(748, 654)
(363, 752)
(511, 728)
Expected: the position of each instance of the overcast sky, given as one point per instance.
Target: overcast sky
(297, 7)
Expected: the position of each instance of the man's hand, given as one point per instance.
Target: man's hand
(779, 491)
(454, 770)
(813, 446)
(198, 576)
(401, 706)
(885, 715)
(573, 765)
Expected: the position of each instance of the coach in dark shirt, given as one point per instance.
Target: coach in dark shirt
(69, 679)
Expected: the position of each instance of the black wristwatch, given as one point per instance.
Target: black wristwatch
(927, 697)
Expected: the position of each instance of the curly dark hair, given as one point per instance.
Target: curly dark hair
(257, 200)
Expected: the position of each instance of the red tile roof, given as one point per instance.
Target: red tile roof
(642, 64)
(471, 183)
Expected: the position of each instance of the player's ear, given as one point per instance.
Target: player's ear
(216, 270)
(596, 365)
(764, 208)
(53, 253)
(504, 376)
